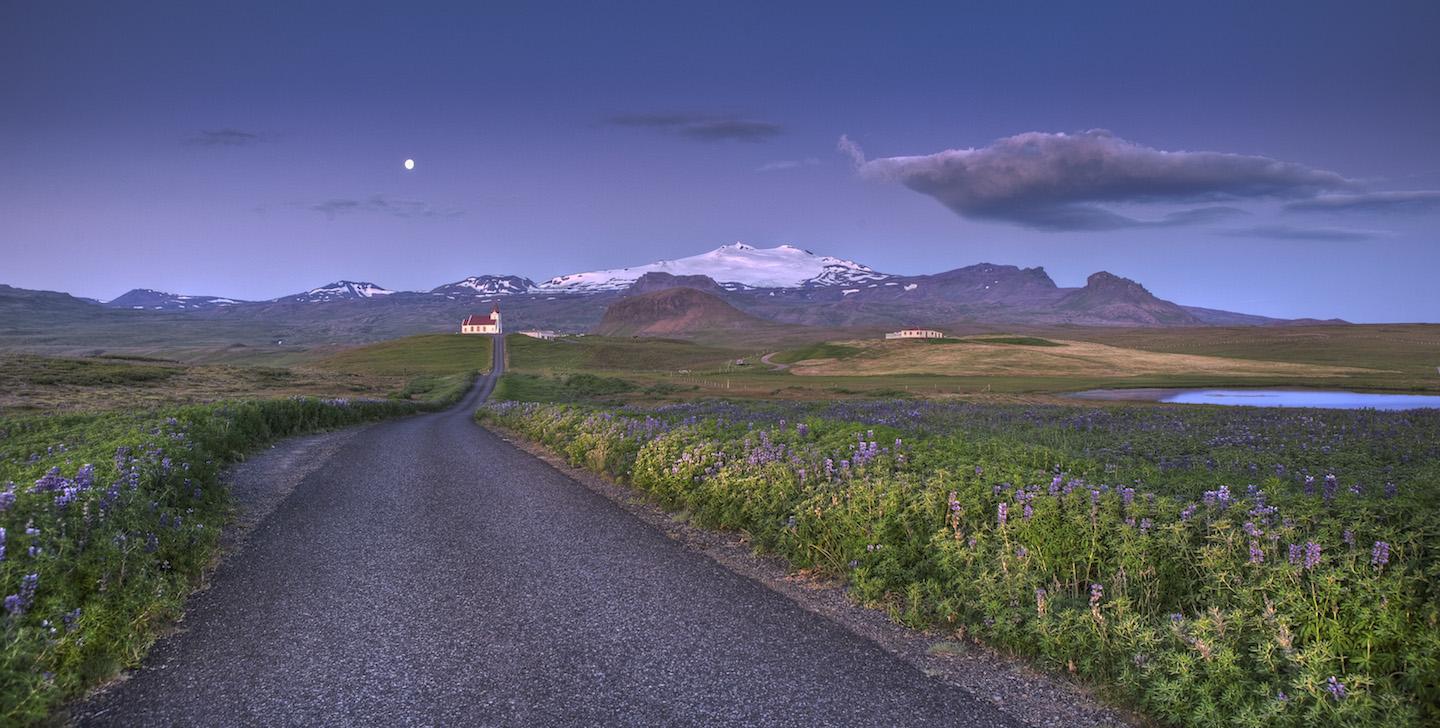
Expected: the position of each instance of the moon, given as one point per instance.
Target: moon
(409, 164)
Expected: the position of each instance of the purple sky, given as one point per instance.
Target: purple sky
(1281, 159)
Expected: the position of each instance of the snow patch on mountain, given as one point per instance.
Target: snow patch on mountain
(487, 285)
(734, 266)
(340, 291)
(147, 298)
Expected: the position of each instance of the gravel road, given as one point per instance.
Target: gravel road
(426, 572)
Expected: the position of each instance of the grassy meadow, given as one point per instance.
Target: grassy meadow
(428, 366)
(1034, 365)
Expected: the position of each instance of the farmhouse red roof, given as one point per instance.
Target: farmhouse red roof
(474, 320)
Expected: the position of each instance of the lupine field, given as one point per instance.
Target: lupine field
(108, 521)
(1209, 566)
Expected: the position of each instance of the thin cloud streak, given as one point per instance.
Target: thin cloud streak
(381, 204)
(700, 127)
(1290, 232)
(1414, 201)
(225, 138)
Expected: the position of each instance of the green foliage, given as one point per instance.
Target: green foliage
(572, 388)
(1200, 613)
(47, 371)
(426, 354)
(816, 351)
(112, 520)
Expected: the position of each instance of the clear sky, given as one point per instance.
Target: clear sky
(1280, 158)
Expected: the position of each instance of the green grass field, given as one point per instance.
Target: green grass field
(426, 367)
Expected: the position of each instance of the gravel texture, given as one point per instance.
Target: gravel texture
(428, 573)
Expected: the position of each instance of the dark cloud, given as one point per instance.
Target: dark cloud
(702, 127)
(1064, 181)
(1405, 201)
(1289, 232)
(224, 138)
(382, 205)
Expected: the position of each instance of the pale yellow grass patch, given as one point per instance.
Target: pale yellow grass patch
(1075, 358)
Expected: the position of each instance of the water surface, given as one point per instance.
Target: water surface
(1326, 399)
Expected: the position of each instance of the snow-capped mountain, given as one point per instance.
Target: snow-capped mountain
(486, 285)
(733, 266)
(146, 299)
(339, 291)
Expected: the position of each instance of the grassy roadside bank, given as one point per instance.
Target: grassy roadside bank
(109, 520)
(1284, 598)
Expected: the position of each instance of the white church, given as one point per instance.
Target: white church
(475, 324)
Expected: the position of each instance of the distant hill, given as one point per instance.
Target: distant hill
(146, 299)
(658, 281)
(1117, 300)
(486, 285)
(671, 312)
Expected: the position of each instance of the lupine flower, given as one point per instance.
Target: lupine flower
(1312, 555)
(1257, 556)
(1021, 552)
(1002, 514)
(1188, 513)
(1336, 688)
(1096, 592)
(14, 606)
(7, 497)
(1295, 554)
(1349, 537)
(1380, 554)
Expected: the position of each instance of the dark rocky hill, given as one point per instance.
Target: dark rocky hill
(671, 312)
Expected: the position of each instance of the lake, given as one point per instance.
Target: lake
(1327, 399)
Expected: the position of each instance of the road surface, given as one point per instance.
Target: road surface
(431, 574)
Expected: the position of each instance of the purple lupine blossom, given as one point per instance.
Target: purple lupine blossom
(1391, 491)
(1002, 514)
(1145, 525)
(1331, 486)
(1336, 688)
(1096, 593)
(1349, 537)
(1021, 552)
(1257, 556)
(1252, 530)
(1380, 554)
(7, 497)
(50, 481)
(70, 618)
(1029, 511)
(1128, 496)
(2, 543)
(1188, 513)
(14, 605)
(1295, 554)
(1312, 555)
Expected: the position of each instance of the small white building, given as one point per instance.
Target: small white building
(545, 334)
(915, 334)
(475, 324)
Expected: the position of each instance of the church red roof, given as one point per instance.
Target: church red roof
(474, 320)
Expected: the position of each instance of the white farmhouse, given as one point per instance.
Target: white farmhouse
(474, 324)
(544, 334)
(915, 334)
